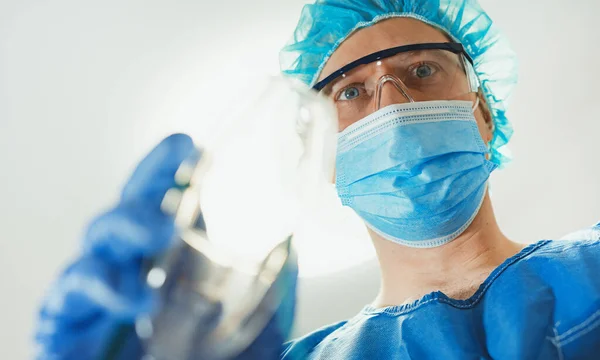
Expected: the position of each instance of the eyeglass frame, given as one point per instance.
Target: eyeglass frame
(453, 47)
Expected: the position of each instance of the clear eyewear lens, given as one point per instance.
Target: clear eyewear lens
(424, 75)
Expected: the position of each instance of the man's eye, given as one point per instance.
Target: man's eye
(349, 93)
(423, 71)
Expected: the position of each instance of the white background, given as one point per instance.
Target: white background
(86, 88)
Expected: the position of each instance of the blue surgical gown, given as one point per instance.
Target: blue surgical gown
(543, 303)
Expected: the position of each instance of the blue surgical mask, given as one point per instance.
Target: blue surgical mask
(416, 173)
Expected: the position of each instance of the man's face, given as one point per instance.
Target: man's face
(392, 33)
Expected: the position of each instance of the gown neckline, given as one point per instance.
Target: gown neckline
(438, 296)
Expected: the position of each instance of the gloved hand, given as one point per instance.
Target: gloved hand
(104, 288)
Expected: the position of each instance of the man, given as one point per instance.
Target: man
(420, 88)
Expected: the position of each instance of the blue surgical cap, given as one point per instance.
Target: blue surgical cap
(324, 25)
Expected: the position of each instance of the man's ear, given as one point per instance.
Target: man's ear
(487, 116)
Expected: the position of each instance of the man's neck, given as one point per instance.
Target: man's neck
(457, 268)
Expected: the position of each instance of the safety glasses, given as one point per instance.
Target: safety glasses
(418, 72)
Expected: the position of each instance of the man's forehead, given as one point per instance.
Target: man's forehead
(383, 35)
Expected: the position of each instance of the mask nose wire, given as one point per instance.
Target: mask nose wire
(398, 84)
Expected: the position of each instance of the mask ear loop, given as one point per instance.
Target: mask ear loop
(398, 84)
(476, 105)
(474, 85)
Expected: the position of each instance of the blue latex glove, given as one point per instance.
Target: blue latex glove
(104, 288)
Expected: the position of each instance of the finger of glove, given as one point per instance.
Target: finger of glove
(129, 231)
(89, 298)
(93, 346)
(137, 227)
(156, 172)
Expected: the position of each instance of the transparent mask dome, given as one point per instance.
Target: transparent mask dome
(267, 170)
